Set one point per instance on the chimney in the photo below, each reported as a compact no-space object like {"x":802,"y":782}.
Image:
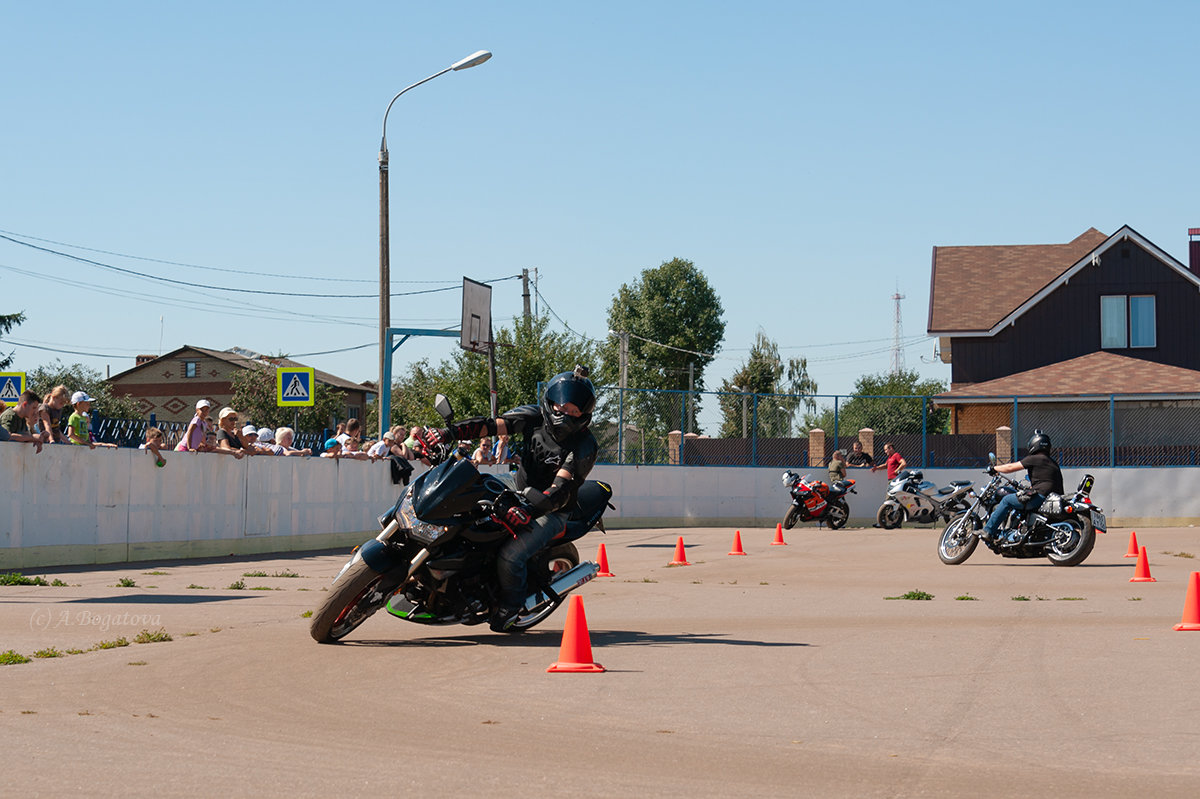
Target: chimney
{"x":1194,"y":250}
{"x":141,"y":359}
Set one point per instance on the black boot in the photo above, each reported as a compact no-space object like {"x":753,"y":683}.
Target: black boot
{"x":503,"y":618}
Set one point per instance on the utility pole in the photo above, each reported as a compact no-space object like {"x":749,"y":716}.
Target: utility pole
{"x":525,"y":291}
{"x":624,"y":379}
{"x":691,"y":395}
{"x":897,"y":334}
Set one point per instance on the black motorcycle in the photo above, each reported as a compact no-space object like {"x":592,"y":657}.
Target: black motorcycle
{"x":817,"y":501}
{"x":434,"y":562}
{"x":1063,"y":528}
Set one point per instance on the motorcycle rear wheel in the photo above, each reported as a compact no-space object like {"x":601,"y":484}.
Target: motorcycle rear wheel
{"x":1071,"y":549}
{"x":838,"y":514}
{"x":351,"y":601}
{"x":958,"y":541}
{"x":561,"y":558}
{"x":889,"y":516}
{"x":791,"y":517}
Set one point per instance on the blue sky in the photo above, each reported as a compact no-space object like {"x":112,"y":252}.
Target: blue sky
{"x":807,"y":157}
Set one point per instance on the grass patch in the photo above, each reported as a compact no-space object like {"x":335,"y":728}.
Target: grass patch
{"x":1071,"y":598}
{"x":119,"y":642}
{"x":285,"y":573}
{"x":914,"y":595}
{"x":49,"y":652}
{"x":126,"y":582}
{"x":237,"y":585}
{"x":264,"y":588}
{"x":74,"y":651}
{"x":966,"y":598}
{"x":254,"y":574}
{"x":198,"y":587}
{"x":155,"y":572}
{"x":152,"y":637}
{"x":306,"y":614}
{"x":12,"y":658}
{"x":136,"y":663}
{"x":57,"y":583}
{"x":16,"y":578}
{"x":1020,"y":598}
{"x":763,"y":582}
{"x":214,"y":629}
{"x":1135,"y":599}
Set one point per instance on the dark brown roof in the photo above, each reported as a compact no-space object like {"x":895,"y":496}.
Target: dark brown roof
{"x":973,"y":288}
{"x":1095,"y":373}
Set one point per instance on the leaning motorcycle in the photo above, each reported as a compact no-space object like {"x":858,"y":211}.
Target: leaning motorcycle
{"x":913,"y":498}
{"x":817,"y":501}
{"x":1063,"y":528}
{"x":434,"y":561}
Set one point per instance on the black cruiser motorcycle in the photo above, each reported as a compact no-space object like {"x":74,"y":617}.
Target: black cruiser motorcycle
{"x":1063,"y":528}
{"x":434,"y":561}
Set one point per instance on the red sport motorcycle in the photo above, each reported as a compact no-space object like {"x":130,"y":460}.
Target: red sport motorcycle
{"x":817,"y":501}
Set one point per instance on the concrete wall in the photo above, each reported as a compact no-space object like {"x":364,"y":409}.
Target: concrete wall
{"x":69,"y":505}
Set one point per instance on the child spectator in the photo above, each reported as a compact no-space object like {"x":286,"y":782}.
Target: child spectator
{"x":16,"y":422}
{"x":228,"y":440}
{"x":383,"y":446}
{"x":197,"y":430}
{"x":50,"y":414}
{"x":482,"y":456}
{"x":79,"y":425}
{"x":284,"y":437}
{"x":333,"y":448}
{"x":154,"y":442}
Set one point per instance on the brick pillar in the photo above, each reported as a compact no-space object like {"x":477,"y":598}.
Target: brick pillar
{"x":1004,"y":450}
{"x":816,"y":448}
{"x":673,"y":439}
{"x":866,"y":437}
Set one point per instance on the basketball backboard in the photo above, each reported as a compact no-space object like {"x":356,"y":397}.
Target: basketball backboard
{"x":476,"y":316}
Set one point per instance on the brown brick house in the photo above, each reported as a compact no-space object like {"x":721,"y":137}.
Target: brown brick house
{"x":169,"y":385}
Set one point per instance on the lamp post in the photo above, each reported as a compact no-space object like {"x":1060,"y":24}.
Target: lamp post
{"x":385,"y":277}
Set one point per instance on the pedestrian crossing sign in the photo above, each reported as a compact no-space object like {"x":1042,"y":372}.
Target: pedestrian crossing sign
{"x":294,"y":386}
{"x":11,"y":386}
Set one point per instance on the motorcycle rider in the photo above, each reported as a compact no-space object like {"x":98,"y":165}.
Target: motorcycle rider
{"x":559,"y":452}
{"x":1045,"y":477}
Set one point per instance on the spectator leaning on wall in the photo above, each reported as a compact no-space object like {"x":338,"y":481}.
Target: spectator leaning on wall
{"x":16,"y":422}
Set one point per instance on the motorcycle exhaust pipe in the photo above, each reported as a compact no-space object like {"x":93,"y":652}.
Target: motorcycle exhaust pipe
{"x":563,"y":584}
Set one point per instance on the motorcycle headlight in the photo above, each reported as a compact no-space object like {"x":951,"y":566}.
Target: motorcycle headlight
{"x":424,"y":532}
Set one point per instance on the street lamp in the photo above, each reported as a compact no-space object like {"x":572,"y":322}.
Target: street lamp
{"x":385,"y":277}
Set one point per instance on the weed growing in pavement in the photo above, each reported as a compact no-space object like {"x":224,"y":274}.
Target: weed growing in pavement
{"x":764,"y":582}
{"x":264,"y":588}
{"x":214,"y":629}
{"x":1071,"y":598}
{"x":156,"y":572}
{"x":914,"y":594}
{"x":1020,"y":598}
{"x":306,"y":614}
{"x":16,"y":578}
{"x":148,"y":637}
{"x":237,"y":585}
{"x":11,"y":658}
{"x":57,"y":583}
{"x":111,"y":644}
{"x":199,"y":587}
{"x":1135,"y":599}
{"x":285,"y":573}
{"x":49,"y":652}
{"x":254,"y":574}
{"x":126,"y":582}
{"x":75,"y":651}
{"x":136,"y":663}
{"x":966,"y":598}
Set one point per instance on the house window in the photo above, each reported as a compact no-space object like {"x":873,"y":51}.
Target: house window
{"x":1127,"y":321}
{"x":191,"y":368}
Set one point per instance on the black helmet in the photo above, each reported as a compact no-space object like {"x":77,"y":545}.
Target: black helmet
{"x":1040,"y":442}
{"x":572,"y":387}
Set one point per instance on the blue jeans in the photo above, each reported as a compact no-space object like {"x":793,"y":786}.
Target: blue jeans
{"x":512,"y":566}
{"x":1009,"y":503}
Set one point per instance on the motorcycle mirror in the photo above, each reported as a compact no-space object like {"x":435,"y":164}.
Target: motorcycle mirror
{"x":992,"y":458}
{"x":442,"y":406}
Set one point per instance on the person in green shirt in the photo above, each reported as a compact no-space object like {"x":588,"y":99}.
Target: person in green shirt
{"x":837,"y":466}
{"x":79,"y":425}
{"x":15,"y":422}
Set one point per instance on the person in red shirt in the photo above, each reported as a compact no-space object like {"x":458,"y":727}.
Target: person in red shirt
{"x":895,"y":462}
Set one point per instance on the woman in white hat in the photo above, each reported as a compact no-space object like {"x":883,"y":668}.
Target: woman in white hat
{"x":198,"y":427}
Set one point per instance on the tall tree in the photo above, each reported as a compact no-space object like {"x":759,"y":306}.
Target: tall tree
{"x":786,"y":386}
{"x":78,"y":377}
{"x":7,"y":323}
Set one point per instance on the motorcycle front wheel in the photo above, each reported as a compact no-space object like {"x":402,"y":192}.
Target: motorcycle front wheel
{"x":838,"y":514}
{"x":351,"y":601}
{"x":958,"y":541}
{"x":563,"y":557}
{"x":791,"y":517}
{"x":1073,"y":540}
{"x":889,"y":516}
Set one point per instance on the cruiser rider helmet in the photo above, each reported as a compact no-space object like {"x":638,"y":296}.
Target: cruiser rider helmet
{"x":575,"y":388}
{"x":1039,"y":442}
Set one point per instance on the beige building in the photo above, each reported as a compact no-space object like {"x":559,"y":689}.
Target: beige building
{"x":169,"y":385}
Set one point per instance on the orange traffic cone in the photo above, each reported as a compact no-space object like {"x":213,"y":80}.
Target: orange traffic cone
{"x":1191,"y":605}
{"x":575,"y":654}
{"x":680,"y":557}
{"x":779,"y":542}
{"x":737,"y":544}
{"x":602,"y":556}
{"x":1133,"y":545}
{"x":1141,"y":574}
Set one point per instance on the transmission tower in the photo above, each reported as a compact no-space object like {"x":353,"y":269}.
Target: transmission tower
{"x":897,"y":335}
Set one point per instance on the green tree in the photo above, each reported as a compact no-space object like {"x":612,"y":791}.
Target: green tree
{"x":254,"y":398}
{"x":786,"y":385}
{"x":7,"y":323}
{"x":527,"y":353}
{"x":78,"y":377}
{"x":672,"y":320}
{"x":889,"y":404}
